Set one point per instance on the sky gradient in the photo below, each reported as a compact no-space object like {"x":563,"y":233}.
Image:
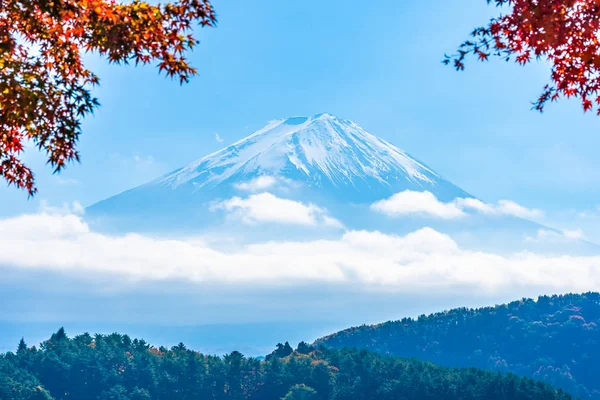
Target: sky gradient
{"x":378,"y":65}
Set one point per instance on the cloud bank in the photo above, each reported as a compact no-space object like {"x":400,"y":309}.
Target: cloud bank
{"x":426,"y":204}
{"x":369,"y":261}
{"x":419,"y":203}
{"x":548,"y":236}
{"x":503,"y":207}
{"x":268,"y":208}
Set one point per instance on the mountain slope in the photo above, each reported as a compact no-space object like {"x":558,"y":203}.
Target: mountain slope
{"x":324,"y":156}
{"x":555,"y":339}
{"x":321,"y":152}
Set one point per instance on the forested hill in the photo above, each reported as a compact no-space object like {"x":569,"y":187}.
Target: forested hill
{"x":114,"y":367}
{"x":555,"y":339}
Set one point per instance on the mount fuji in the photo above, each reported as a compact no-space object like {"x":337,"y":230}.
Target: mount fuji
{"x":330,"y":166}
{"x":324,"y":152}
{"x":320,"y":157}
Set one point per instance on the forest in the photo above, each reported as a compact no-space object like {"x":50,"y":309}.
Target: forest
{"x":554,"y":339}
{"x":115,"y":367}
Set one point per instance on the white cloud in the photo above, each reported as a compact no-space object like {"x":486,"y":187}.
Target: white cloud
{"x":218,"y":138}
{"x":420,"y":203}
{"x":46,"y":226}
{"x":549,"y":236}
{"x":574,"y":233}
{"x":508,"y":207}
{"x":332,"y":222}
{"x":503,"y":207}
{"x":257,"y":184}
{"x":422,"y":260}
{"x":423,"y":241}
{"x":589,"y":214}
{"x":475,"y":205}
{"x":67,"y":208}
{"x":425,"y":203}
{"x":574,"y":222}
{"x":266,"y":207}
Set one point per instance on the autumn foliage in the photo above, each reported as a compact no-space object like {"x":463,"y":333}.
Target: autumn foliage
{"x":563,"y":32}
{"x":44,"y":85}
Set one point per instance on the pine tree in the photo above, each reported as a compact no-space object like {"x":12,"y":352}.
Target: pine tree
{"x":304,"y":348}
{"x":22,"y":347}
{"x":59,"y":336}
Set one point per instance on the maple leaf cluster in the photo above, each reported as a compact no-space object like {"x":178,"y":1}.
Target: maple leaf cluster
{"x":563,"y":32}
{"x":44,"y":86}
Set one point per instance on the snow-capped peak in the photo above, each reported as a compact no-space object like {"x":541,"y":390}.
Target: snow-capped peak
{"x":321,"y":151}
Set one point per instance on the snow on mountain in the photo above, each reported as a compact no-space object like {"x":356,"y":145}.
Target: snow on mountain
{"x":321,"y":148}
{"x":322,"y":160}
{"x":321,"y":157}
{"x":322,"y":152}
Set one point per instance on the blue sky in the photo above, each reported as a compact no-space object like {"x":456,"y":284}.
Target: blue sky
{"x":377,"y":64}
